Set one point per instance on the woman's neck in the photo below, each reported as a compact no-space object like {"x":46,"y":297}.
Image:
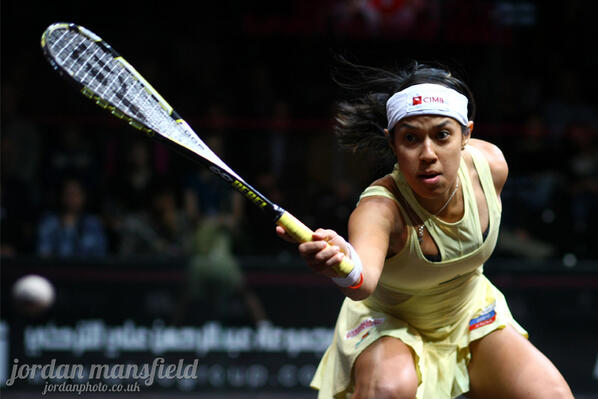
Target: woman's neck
{"x":449,"y":208}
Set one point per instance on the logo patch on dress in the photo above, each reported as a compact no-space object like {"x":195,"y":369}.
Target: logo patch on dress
{"x":364,"y":336}
{"x":366,"y":324}
{"x":487,"y":316}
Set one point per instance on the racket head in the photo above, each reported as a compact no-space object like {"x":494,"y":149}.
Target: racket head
{"x":101,"y":72}
{"x":106,"y":78}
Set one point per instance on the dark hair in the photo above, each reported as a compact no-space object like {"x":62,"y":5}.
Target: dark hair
{"x":360,"y":122}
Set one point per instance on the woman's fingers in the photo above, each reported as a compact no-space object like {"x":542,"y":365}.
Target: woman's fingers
{"x":325,"y":251}
{"x":321,"y":257}
{"x":331,"y":237}
{"x":283,"y":234}
{"x":322,"y":234}
{"x":310,"y":252}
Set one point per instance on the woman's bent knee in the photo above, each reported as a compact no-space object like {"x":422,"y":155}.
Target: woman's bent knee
{"x":388,"y":384}
{"x":396,"y":389}
{"x":385,"y":369}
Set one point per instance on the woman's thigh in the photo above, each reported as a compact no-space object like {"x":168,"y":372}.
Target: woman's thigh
{"x":386,"y":368}
{"x":506,"y":365}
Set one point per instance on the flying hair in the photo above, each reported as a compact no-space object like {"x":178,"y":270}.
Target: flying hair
{"x":361,"y":119}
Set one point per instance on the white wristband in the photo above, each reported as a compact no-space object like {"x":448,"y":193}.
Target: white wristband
{"x":355,"y":275}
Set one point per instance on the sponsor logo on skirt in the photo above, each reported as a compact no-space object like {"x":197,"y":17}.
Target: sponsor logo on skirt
{"x":365,"y":324}
{"x":487,"y":316}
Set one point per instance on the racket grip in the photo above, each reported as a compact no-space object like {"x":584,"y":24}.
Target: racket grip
{"x":300,"y":232}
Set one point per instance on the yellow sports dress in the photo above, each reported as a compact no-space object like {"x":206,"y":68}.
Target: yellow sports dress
{"x":436,"y":308}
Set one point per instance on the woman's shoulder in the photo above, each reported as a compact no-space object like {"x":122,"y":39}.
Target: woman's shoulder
{"x":384,"y":189}
{"x":387,"y":182}
{"x":496,"y":160}
{"x":379,"y":199}
{"x":490,"y":151}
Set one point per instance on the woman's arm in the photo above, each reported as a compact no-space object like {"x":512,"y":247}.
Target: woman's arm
{"x":370,"y":227}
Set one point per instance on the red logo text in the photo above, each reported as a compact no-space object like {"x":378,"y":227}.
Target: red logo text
{"x":427,"y":100}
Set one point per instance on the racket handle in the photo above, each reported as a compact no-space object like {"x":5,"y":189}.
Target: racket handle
{"x":300,"y":232}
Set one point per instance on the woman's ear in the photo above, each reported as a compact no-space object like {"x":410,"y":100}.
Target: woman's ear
{"x":466,"y":134}
{"x":390,"y":141}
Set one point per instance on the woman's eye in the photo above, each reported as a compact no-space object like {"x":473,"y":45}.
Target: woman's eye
{"x":410,"y":138}
{"x":443,"y":134}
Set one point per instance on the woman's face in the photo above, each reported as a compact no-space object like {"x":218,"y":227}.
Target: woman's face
{"x":428,"y":149}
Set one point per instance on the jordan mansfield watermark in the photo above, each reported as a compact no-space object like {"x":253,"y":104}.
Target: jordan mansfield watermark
{"x":65,"y":377}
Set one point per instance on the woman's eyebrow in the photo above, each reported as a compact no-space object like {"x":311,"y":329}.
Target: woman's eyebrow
{"x":442,"y":124}
{"x":409,"y":126}
{"x":406,"y":126}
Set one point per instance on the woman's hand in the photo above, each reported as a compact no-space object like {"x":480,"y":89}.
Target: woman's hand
{"x":326,"y":250}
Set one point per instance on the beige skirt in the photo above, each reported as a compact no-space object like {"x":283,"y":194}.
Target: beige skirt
{"x":441,"y":350}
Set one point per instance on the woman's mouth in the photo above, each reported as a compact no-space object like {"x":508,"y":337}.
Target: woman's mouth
{"x":430,"y":177}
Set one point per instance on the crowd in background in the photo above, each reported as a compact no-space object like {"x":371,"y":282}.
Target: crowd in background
{"x":76,"y":183}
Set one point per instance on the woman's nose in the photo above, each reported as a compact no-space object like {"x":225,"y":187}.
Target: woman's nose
{"x":428,"y":152}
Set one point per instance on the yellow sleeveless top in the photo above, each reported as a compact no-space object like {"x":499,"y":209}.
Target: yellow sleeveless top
{"x":436,"y":308}
{"x":461,"y":244}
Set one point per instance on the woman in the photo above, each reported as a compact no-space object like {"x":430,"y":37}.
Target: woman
{"x":421,"y":320}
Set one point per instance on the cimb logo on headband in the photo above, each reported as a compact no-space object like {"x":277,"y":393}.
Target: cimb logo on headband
{"x":421,"y":100}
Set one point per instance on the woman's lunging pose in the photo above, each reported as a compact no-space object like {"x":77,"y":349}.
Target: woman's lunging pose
{"x":421,"y":320}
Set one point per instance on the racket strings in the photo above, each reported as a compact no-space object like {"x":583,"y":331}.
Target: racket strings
{"x":85,"y":61}
{"x":92,"y":63}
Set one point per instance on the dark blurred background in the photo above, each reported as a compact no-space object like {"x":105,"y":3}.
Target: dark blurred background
{"x":130,"y":232}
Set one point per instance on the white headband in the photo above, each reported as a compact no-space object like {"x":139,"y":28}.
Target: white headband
{"x":426,"y":99}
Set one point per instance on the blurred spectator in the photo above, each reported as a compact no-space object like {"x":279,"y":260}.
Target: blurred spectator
{"x":71,"y":231}
{"x":214,"y":209}
{"x":127,"y":186}
{"x":214,"y":274}
{"x":207,"y":196}
{"x":72,"y":155}
{"x":159,"y":229}
{"x":132,"y":186}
